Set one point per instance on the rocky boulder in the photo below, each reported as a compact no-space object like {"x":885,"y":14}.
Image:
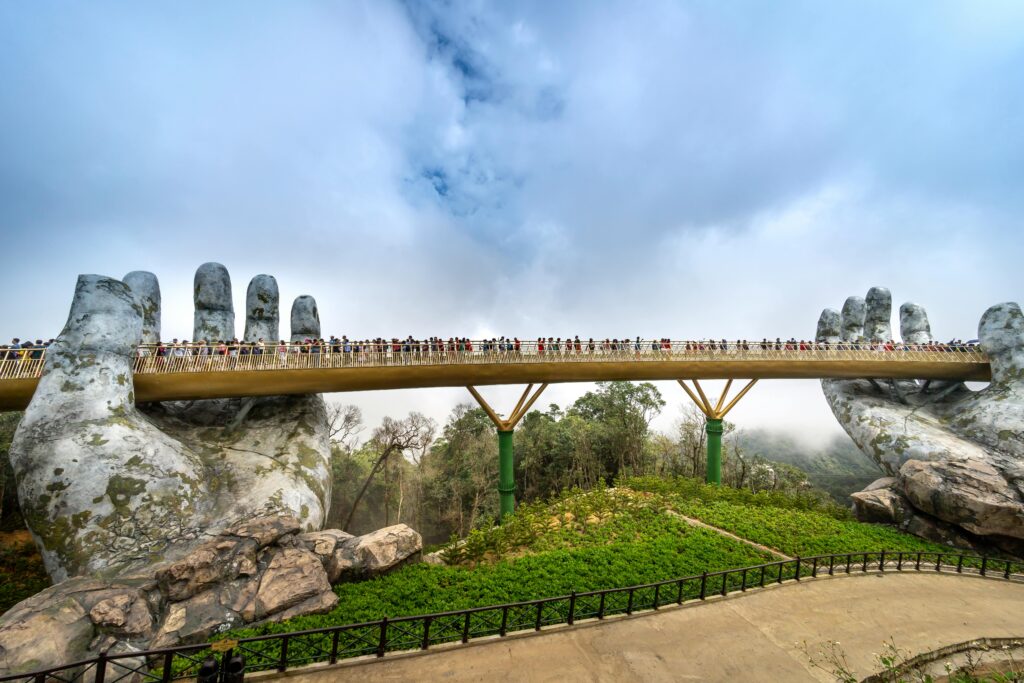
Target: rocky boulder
{"x":375,"y":553}
{"x":256,"y":571}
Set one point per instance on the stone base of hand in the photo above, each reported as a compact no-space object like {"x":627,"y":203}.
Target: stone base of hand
{"x":258,"y":571}
{"x":883,"y":502}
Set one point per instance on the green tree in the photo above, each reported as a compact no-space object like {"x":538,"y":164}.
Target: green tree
{"x":620,"y":415}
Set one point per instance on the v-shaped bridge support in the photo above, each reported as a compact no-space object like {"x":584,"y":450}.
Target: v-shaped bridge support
{"x":506,"y":427}
{"x":713,"y":425}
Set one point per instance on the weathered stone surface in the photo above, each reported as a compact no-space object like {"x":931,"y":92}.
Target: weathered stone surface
{"x":214,"y":309}
{"x":957,"y":455}
{"x":323,"y":544}
{"x":217,"y":561}
{"x":126,"y":614}
{"x":146,"y":290}
{"x":261,"y":316}
{"x":305,"y":319}
{"x":375,"y":553}
{"x":226,"y":582}
{"x":969,"y":493}
{"x":265,"y":530}
{"x":195,"y":620}
{"x":883,"y":505}
{"x":98,"y":482}
{"x":58,"y":631}
{"x":318,"y":604}
{"x":293,"y":575}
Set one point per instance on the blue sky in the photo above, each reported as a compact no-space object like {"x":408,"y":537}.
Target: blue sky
{"x":617,"y":168}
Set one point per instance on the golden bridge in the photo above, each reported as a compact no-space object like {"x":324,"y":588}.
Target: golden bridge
{"x":184,"y":374}
{"x":176,"y":373}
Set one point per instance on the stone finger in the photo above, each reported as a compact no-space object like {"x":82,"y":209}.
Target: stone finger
{"x":305,"y":319}
{"x":146,"y":290}
{"x":878,"y":314}
{"x":914,"y":326}
{"x":1001,"y":332}
{"x":830,"y":326}
{"x":853,"y":319}
{"x":215,"y":312}
{"x":262,"y":319}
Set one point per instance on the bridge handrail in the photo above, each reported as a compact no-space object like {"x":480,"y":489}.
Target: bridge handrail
{"x":281,"y":651}
{"x":242,"y":357}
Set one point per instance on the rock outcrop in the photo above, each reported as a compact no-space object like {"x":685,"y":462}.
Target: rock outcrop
{"x":955,"y":457}
{"x":253,"y":572}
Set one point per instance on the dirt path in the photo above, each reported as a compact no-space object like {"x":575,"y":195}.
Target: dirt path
{"x":696,"y":522}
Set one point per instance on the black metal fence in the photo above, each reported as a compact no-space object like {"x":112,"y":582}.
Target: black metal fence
{"x":227,"y":661}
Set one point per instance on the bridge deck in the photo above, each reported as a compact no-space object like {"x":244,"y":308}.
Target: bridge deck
{"x":192,"y":377}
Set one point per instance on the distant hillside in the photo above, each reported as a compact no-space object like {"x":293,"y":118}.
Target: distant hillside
{"x":838,"y":467}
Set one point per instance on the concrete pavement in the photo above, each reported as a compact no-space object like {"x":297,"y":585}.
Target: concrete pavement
{"x":747,"y":637}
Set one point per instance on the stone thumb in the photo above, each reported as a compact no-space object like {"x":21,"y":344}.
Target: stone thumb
{"x":88,"y":368}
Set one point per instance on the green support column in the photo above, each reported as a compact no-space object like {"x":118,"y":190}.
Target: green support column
{"x":714,"y":430}
{"x":506,"y":473}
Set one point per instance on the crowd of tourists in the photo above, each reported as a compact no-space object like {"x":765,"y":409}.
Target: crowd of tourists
{"x":410,"y":349}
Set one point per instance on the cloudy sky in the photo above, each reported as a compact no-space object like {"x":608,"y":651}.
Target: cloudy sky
{"x":682,"y":169}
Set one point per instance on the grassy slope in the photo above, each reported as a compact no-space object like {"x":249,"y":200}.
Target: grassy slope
{"x":605,"y":539}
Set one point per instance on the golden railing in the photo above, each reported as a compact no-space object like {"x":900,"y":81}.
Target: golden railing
{"x":28,"y":364}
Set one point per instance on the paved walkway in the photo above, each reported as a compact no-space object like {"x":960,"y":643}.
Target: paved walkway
{"x":747,"y":637}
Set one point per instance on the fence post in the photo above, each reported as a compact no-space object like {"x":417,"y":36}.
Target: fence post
{"x":849,"y":561}
{"x":814,"y":569}
{"x":960,"y":564}
{"x":797,"y":567}
{"x":629,"y":603}
{"x":725,"y":583}
{"x":984,"y":565}
{"x":1006,"y":574}
{"x":831,"y":564}
{"x":335,"y":637}
{"x":283,"y":663}
{"x":504,"y":621}
{"x":938,"y":562}
{"x":899,"y":562}
{"x":864,"y":563}
{"x":743,"y":585}
{"x":679,"y":598}
{"x":572,"y":607}
{"x":917,"y":564}
{"x":382,"y":644}
{"x":600,"y":607}
{"x":101,"y":666}
{"x":465,"y":628}
{"x":657,"y":591}
{"x":540,"y":611}
{"x":881,"y":562}
{"x":761,"y":582}
{"x":168,"y":667}
{"x":426,"y":634}
{"x":703,"y":584}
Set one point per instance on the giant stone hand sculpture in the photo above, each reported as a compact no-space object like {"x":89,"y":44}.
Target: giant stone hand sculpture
{"x":955,"y":457}
{"x":108,"y":487}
